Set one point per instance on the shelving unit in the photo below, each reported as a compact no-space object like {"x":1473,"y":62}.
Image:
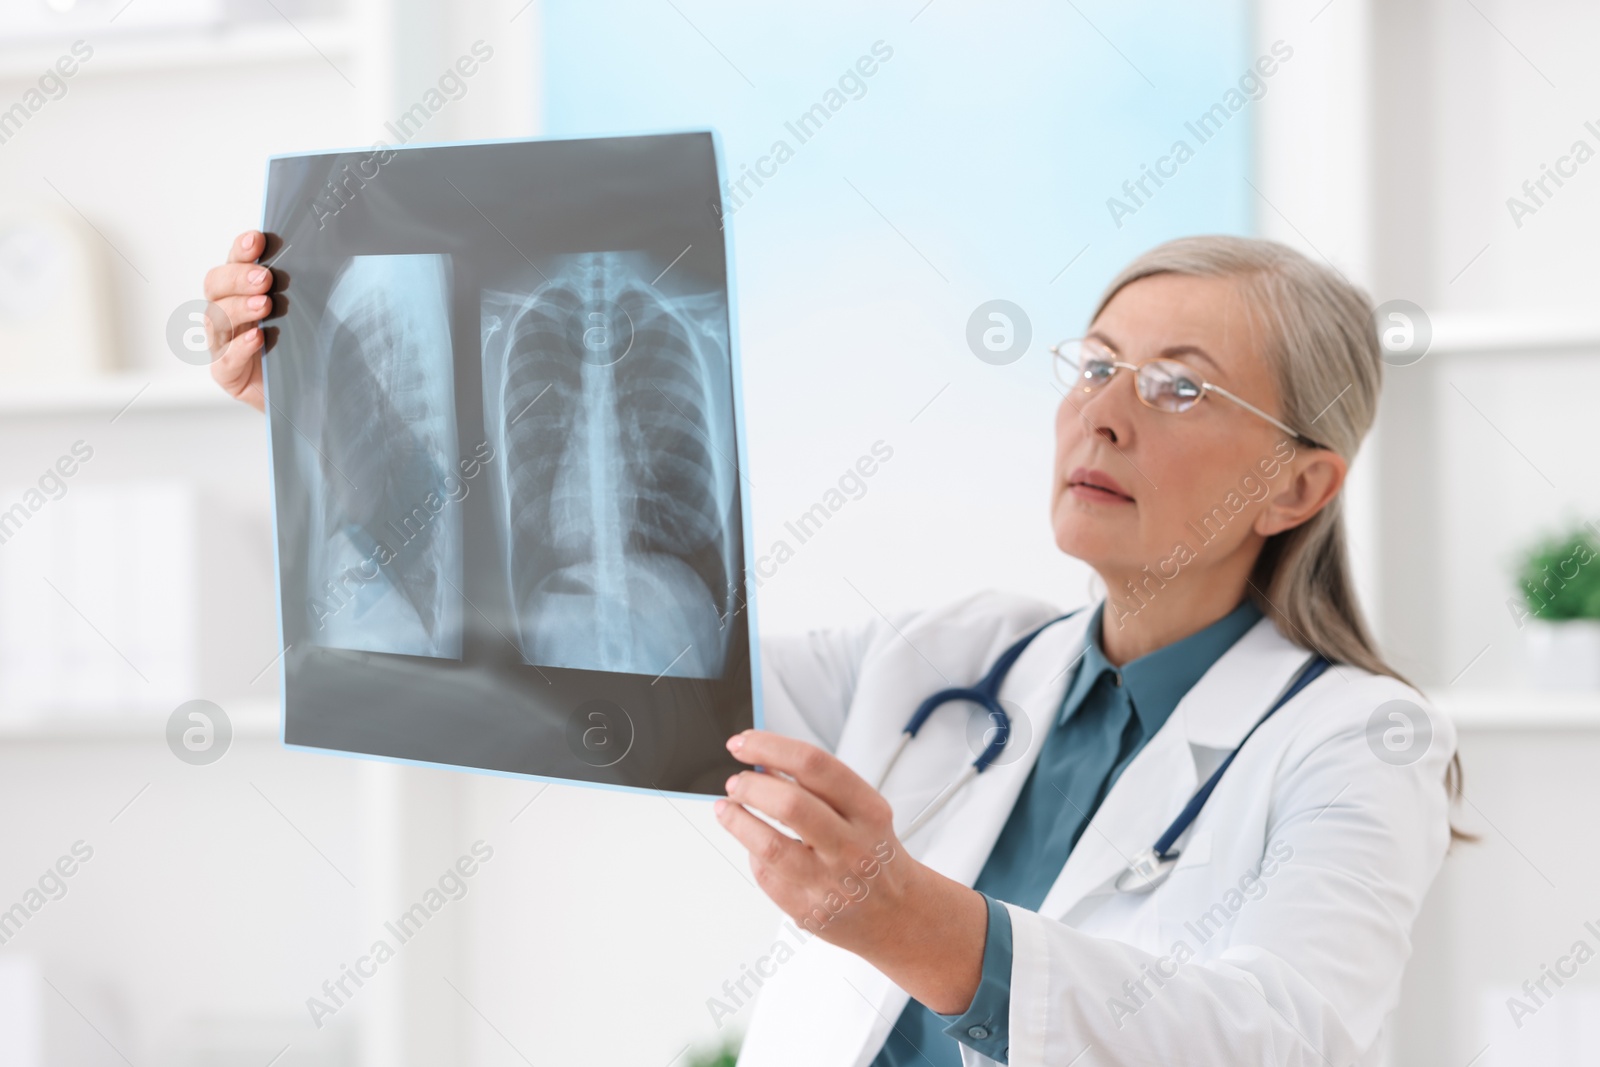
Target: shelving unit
{"x":174,"y":95}
{"x":1467,"y":475}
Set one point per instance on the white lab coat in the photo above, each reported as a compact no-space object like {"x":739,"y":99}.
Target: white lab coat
{"x":1293,"y":899}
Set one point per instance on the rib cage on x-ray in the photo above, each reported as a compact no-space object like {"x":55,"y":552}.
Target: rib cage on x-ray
{"x":385,"y":536}
{"x":612,"y":407}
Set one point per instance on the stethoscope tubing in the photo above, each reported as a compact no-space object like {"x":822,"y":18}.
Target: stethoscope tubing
{"x":986,"y":695}
{"x":1150,"y":867}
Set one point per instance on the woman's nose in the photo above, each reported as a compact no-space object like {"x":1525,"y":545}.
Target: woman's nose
{"x":1106,"y":410}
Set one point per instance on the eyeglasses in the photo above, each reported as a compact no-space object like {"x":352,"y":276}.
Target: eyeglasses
{"x":1085,"y":365}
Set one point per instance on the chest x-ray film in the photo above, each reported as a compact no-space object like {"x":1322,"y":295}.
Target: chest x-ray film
{"x":507,"y":453}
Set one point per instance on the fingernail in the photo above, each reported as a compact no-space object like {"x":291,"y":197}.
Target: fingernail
{"x":733,"y":780}
{"x":736,"y":742}
{"x":257,"y":303}
{"x":720,"y":806}
{"x":244,"y":242}
{"x":257,"y":276}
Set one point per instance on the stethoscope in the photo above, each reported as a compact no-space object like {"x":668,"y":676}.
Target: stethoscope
{"x":1150,"y":867}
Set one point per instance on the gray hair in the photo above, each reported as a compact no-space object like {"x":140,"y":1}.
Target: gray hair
{"x":1322,"y":344}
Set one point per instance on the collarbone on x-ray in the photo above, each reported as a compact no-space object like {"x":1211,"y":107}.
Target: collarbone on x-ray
{"x":610,"y":402}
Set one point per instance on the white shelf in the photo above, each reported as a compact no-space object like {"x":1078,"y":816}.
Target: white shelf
{"x":253,"y":718}
{"x":306,"y":40}
{"x":257,"y":717}
{"x":1519,"y":709}
{"x":112,"y":393}
{"x":1465,"y":333}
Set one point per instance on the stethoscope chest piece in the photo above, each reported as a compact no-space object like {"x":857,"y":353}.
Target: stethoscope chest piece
{"x":1147,"y":871}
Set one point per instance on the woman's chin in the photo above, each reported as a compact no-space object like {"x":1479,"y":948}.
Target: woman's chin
{"x":1090,"y":534}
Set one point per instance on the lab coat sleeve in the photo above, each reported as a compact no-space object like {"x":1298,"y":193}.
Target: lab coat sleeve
{"x":808,"y":679}
{"x":1314,"y":955}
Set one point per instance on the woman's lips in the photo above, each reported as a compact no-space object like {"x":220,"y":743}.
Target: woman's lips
{"x":1088,"y":484}
{"x":1090,"y":492}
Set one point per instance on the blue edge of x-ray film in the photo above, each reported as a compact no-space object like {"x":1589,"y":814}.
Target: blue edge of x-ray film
{"x":757,"y":718}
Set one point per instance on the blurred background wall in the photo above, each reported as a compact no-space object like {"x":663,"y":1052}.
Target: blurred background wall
{"x":973,"y":165}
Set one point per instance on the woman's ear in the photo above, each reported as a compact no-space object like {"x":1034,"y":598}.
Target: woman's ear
{"x":1314,"y":478}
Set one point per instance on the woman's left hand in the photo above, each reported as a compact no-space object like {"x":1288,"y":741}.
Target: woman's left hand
{"x":848,"y":879}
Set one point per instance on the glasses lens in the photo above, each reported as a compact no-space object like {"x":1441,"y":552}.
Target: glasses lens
{"x":1169,"y":385}
{"x":1084,"y":364}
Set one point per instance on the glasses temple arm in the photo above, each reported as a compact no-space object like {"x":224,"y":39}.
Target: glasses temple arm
{"x":1242,"y":402}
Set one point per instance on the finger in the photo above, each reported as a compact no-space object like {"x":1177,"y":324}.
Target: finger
{"x":244,"y":311}
{"x":779,"y":854}
{"x":236,"y":279}
{"x":228,"y":318}
{"x":823,"y":774}
{"x":247,"y":246}
{"x":239,"y":364}
{"x":791,"y":804}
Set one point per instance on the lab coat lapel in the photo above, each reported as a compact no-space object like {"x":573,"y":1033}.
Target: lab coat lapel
{"x":863,"y":1003}
{"x":960,"y":838}
{"x":1144,"y":800}
{"x":1216,"y":713}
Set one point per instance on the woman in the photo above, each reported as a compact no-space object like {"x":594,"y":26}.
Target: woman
{"x":1208,"y":420}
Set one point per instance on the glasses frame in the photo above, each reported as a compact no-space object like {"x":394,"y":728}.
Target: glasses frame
{"x":1206,"y":388}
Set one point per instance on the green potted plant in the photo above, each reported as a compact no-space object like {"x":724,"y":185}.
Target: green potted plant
{"x":1559,"y":610}
{"x":724,"y":1055}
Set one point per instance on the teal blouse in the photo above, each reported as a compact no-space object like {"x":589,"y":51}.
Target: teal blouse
{"x":1106,"y":717}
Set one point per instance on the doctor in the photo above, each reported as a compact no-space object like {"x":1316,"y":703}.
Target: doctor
{"x":1208,"y":419}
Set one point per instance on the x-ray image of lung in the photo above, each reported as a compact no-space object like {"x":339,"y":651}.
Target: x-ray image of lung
{"x":385,"y":558}
{"x":611,"y":403}
{"x":507,"y":443}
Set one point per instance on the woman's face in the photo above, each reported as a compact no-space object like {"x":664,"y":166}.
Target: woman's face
{"x":1196,"y":487}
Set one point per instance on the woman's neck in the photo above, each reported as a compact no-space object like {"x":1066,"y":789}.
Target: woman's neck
{"x":1133,"y":626}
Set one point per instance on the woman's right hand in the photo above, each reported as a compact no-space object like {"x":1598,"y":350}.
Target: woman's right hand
{"x":241,"y":289}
